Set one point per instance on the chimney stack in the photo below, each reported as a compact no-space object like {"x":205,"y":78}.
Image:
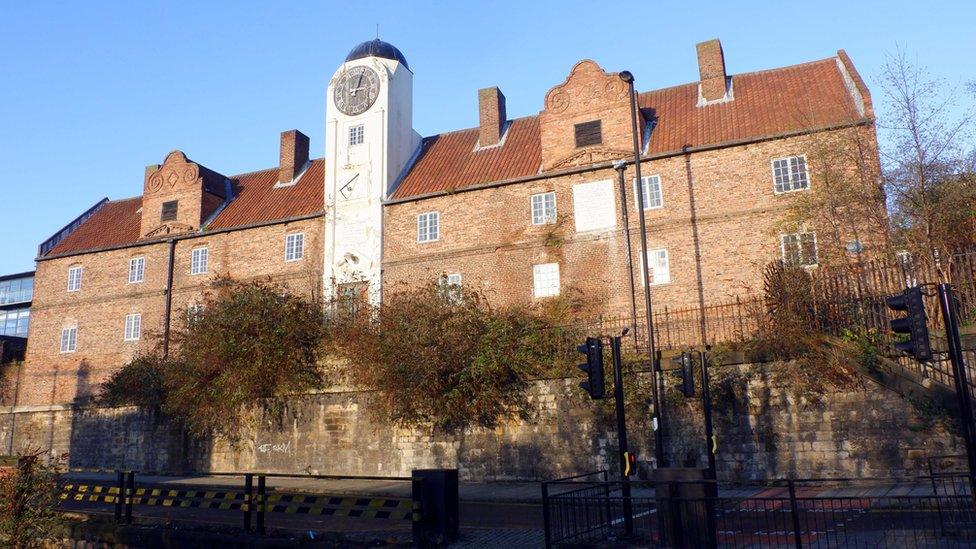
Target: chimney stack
{"x":711,"y":68}
{"x":294,"y":155}
{"x":491,"y":111}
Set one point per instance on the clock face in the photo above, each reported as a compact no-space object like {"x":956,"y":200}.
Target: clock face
{"x":356,"y":89}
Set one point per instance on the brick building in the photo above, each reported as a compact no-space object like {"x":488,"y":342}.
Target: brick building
{"x":524,"y":209}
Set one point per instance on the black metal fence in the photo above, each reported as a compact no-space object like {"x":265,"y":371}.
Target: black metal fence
{"x":932,"y":511}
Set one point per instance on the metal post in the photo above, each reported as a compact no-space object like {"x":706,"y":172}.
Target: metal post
{"x":261,"y":502}
{"x":706,"y":396}
{"x":130,"y":495}
{"x":121,"y":497}
{"x":950,"y":319}
{"x":618,"y":397}
{"x":545,"y":514}
{"x":620,"y":166}
{"x":606,"y":501}
{"x":246,"y":504}
{"x":657,"y":419}
{"x":794,"y":512}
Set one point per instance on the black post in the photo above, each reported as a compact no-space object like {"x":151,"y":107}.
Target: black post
{"x":261,"y":502}
{"x":794,"y":512}
{"x":618,"y":397}
{"x":246,"y":503}
{"x":950,"y":319}
{"x":657,"y":420}
{"x":545,"y":514}
{"x":710,"y":444}
{"x":121,"y":497}
{"x":130,"y":495}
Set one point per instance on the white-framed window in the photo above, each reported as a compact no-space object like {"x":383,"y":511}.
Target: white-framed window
{"x":137,"y":269}
{"x":69,"y":338}
{"x":545,"y":280}
{"x":450,"y":286}
{"x":133,"y":327}
{"x":294,"y":246}
{"x":199,"y":259}
{"x":543,"y":208}
{"x":428,"y":227}
{"x":193,"y":311}
{"x":790,"y":174}
{"x":658,"y":267}
{"x":799,"y":249}
{"x":651,"y":192}
{"x":74,"y":278}
{"x":356,"y":134}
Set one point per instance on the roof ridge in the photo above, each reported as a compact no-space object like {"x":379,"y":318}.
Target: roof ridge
{"x":252,"y":172}
{"x":760,"y":71}
{"x":474,"y":128}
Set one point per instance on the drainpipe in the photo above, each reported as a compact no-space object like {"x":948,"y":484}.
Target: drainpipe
{"x":169,"y":296}
{"x":620,"y":166}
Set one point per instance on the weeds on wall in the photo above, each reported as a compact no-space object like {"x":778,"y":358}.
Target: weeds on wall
{"x":29,"y":497}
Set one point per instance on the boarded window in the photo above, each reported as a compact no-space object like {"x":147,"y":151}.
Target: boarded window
{"x":588,"y":133}
{"x":169,"y":211}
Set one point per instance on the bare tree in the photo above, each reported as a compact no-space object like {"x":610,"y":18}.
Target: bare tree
{"x":930,"y":184}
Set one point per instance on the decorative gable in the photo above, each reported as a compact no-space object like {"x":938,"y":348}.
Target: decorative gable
{"x":179,"y":195}
{"x":586,"y":119}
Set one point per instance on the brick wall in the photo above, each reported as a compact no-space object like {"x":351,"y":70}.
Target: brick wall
{"x":99,"y":308}
{"x":487,"y":235}
{"x":767,"y":434}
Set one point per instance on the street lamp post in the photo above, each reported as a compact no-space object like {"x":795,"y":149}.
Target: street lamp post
{"x":657,"y":418}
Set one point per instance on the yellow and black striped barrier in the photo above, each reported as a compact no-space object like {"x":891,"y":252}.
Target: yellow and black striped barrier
{"x":380,"y":508}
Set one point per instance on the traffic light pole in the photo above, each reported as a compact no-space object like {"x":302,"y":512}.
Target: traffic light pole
{"x":951,"y":317}
{"x":710,"y":445}
{"x":618,"y":397}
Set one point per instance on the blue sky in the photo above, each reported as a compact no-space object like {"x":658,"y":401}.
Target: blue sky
{"x":92,"y":92}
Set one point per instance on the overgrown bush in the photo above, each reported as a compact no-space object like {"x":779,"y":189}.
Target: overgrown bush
{"x":244,"y":342}
{"x":29,"y":496}
{"x":448,"y":359}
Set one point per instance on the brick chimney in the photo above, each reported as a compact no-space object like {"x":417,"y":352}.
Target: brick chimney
{"x":491,"y":112}
{"x":294,"y":155}
{"x":711,"y":68}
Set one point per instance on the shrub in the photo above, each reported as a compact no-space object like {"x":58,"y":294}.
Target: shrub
{"x":449,"y":359}
{"x":29,"y":496}
{"x":140,"y":382}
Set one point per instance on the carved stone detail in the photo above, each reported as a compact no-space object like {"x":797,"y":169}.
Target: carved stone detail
{"x":176,"y":170}
{"x":169,"y":228}
{"x":590,"y":156}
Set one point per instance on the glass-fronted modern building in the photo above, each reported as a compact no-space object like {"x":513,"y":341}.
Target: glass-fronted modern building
{"x":16,"y":292}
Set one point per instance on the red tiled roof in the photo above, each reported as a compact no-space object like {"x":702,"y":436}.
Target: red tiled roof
{"x":117,"y":222}
{"x":765,"y":103}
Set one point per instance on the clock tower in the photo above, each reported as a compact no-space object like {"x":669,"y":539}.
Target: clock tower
{"x":369,"y":141}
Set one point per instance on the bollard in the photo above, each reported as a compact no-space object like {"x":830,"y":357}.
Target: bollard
{"x":246,"y":503}
{"x":121,"y":496}
{"x":130,"y":495}
{"x":261,"y":503}
{"x":435,"y":492}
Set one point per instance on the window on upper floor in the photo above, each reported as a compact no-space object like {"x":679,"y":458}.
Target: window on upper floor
{"x":294,"y":246}
{"x":199,"y":259}
{"x":356,"y":134}
{"x":16,"y":290}
{"x":545,"y":280}
{"x":790,"y":174}
{"x":658,"y":267}
{"x":428,"y":227}
{"x":588,"y":133}
{"x":799,"y":249}
{"x":137,"y":269}
{"x":543,"y":208}
{"x":169,"y":210}
{"x":14,"y":322}
{"x":74,"y":278}
{"x":651,"y":192}
{"x":133,"y":327}
{"x":69,"y":339}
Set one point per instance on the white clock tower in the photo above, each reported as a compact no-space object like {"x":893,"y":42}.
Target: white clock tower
{"x":369,"y":140}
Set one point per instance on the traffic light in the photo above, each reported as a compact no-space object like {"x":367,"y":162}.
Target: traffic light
{"x":593,"y":349}
{"x":913,"y":325}
{"x":630,"y":464}
{"x":686,"y":369}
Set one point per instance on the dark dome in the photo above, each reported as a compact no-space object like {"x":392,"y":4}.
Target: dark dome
{"x":377,"y":48}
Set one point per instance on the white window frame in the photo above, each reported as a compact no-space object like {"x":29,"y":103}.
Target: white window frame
{"x":799,"y":245}
{"x":199,"y":260}
{"x":644,"y":262}
{"x":294,"y":247}
{"x":69,"y":338}
{"x":193,"y":310}
{"x":544,"y":217}
{"x":359,"y":131}
{"x":424,"y":232}
{"x":75,"y":275}
{"x":789,"y":172}
{"x":646,"y":197}
{"x":450,"y":285}
{"x":137,"y":269}
{"x":543,"y":274}
{"x":133,"y":327}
